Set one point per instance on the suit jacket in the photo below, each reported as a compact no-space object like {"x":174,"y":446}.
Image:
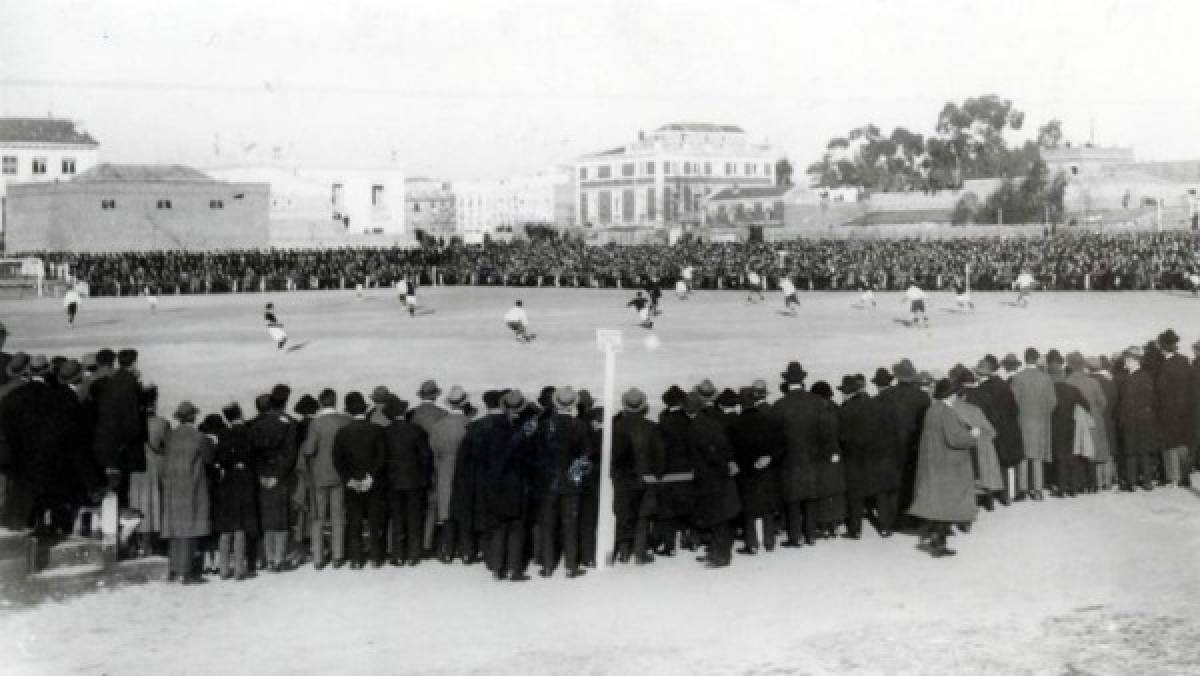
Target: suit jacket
{"x":425,"y":414}
{"x":318,"y":448}
{"x":359,"y":449}
{"x":1034,"y":392}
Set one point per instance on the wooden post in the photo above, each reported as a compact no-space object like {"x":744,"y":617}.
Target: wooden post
{"x":609,"y":342}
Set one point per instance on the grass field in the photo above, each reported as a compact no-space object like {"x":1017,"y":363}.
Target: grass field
{"x":1103,"y":584}
{"x":214,"y":348}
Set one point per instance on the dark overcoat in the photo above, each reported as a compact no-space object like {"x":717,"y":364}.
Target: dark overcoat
{"x":409,"y":459}
{"x":864,"y":435}
{"x":716,"y":493}
{"x":187,"y":510}
{"x":1136,"y":416}
{"x":1062,"y":420}
{"x":994,"y":397}
{"x":120,"y":424}
{"x":905,"y":404}
{"x":236,"y":499}
{"x":808,"y":430}
{"x":273,"y":440}
{"x":562,"y":441}
{"x":1171,"y":388}
{"x":754,"y":435}
{"x":675,"y":499}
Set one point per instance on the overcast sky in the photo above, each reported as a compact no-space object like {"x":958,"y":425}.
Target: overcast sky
{"x":485,"y":89}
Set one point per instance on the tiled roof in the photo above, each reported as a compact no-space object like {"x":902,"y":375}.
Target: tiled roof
{"x":750,"y":192}
{"x":701,"y":126}
{"x":141,"y":172}
{"x":42,"y":130}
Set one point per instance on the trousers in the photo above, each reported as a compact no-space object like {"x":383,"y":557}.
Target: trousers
{"x":329,"y":506}
{"x":802,"y":520}
{"x":407,"y":510}
{"x":1030,"y":475}
{"x":235,"y":541}
{"x":886,"y":508}
{"x":506,"y":547}
{"x":179,"y":555}
{"x":560,"y":529}
{"x":371,"y":507}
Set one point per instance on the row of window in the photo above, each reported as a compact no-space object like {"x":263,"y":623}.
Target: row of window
{"x":629,"y":169}
{"x":37,"y":166}
{"x":161,"y":204}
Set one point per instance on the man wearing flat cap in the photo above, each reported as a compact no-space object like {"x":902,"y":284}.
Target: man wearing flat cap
{"x":808,"y":433}
{"x":1033,"y":390}
{"x":904,"y":404}
{"x":562,"y":447}
{"x":120,"y":425}
{"x":1171,"y":387}
{"x":638,"y":457}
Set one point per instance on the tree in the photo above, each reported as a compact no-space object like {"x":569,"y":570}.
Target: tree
{"x":973,"y":133}
{"x":1050,"y":134}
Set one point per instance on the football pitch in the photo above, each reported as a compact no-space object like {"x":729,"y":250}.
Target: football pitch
{"x":212,"y":349}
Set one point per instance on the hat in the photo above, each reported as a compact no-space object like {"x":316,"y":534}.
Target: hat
{"x":70,"y":373}
{"x":106,"y":357}
{"x":944,"y":388}
{"x":760,"y":387}
{"x":1075,"y":360}
{"x":1054,"y":357}
{"x":1031,"y":355}
{"x":882,"y":377}
{"x":1132,"y":351}
{"x":925,"y":378}
{"x":794,"y":373}
{"x":39,"y":365}
{"x":380,"y":394}
{"x":985,"y":368}
{"x":633,"y":401}
{"x":18,"y":365}
{"x":905,"y":371}
{"x":850,"y":384}
{"x":822,"y":389}
{"x":233,"y":411}
{"x":262,"y":403}
{"x":456,"y":397}
{"x":270,"y":305}
{"x":1168,"y":338}
{"x":748,"y":397}
{"x":514,"y":401}
{"x":212,"y":424}
{"x":127,"y":356}
{"x":394,"y":407}
{"x":355,"y":404}
{"x":1011,"y":362}
{"x":1196,"y":345}
{"x":1093,"y":363}
{"x":694,"y":403}
{"x":280,"y":394}
{"x":565,"y":397}
{"x":307,"y":405}
{"x":88,"y":361}
{"x":706,"y":390}
{"x":961,"y":375}
{"x":674,"y":396}
{"x":429,"y":390}
{"x":586,"y":402}
{"x":186,"y":411}
{"x":727,"y":398}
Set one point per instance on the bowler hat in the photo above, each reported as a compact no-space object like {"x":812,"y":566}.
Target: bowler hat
{"x":212,"y":424}
{"x":1011,"y":362}
{"x":822,"y":389}
{"x":429,"y":390}
{"x":70,"y":373}
{"x":634,"y":400}
{"x":706,"y":390}
{"x":565,"y":397}
{"x":18,"y":365}
{"x":456,"y":397}
{"x":106,"y":357}
{"x":514,"y":400}
{"x":394,"y":407}
{"x":380,"y":394}
{"x":1168,"y":339}
{"x":280,"y":394}
{"x":694,"y":403}
{"x":850,"y":384}
{"x":233,"y":411}
{"x":1075,"y":360}
{"x":355,"y":404}
{"x":1133,"y":351}
{"x":882,"y":377}
{"x":984,"y":368}
{"x":127,"y":356}
{"x":794,"y":374}
{"x":727,"y":398}
{"x":674,"y":396}
{"x":905,"y":372}
{"x":186,"y":411}
{"x":307,"y":405}
{"x":944,"y":388}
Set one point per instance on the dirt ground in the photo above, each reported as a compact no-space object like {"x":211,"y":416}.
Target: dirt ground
{"x":1103,"y":584}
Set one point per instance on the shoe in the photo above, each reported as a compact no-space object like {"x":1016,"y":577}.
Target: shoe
{"x":851,"y":536}
{"x":703,"y":558}
{"x":356,"y":565}
{"x":194,"y":579}
{"x":545,"y":572}
{"x":748,"y":551}
{"x":623,"y":557}
{"x":576,"y":572}
{"x":643,"y":559}
{"x":809,"y":541}
{"x":172,"y":577}
{"x":885,"y":532}
{"x":377,"y":563}
{"x":274,"y":568}
{"x":989,"y":502}
{"x":414,"y":562}
{"x":500,"y":575}
{"x":589,"y":563}
{"x":227,"y":575}
{"x":791,"y":544}
{"x":338,"y":563}
{"x":245,"y":576}
{"x":942,"y":551}
{"x":665,"y":551}
{"x":518,"y":577}
{"x":964,"y":527}
{"x":445,"y":558}
{"x":1039,"y":496}
{"x":396,"y":562}
{"x":717,"y":564}
{"x":320,"y":565}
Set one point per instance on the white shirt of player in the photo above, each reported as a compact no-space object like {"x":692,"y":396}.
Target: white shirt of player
{"x":786,"y":286}
{"x":687,"y":273}
{"x":402,"y":287}
{"x":1024,"y":280}
{"x":516,"y":314}
{"x":681,"y":287}
{"x":753,"y":278}
{"x":914,"y":292}
{"x":71,"y":296}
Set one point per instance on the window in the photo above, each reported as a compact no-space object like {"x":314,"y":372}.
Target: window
{"x":649,"y":168}
{"x":604,"y":206}
{"x":583,"y":173}
{"x":68,"y":165}
{"x":687,"y":168}
{"x":108,"y":204}
{"x":767,"y":169}
{"x":628,"y":202}
{"x":216,"y":204}
{"x":651,"y":210}
{"x":627,"y":169}
{"x":164,"y":204}
{"x":667,"y":168}
{"x":39,"y":165}
{"x":376,"y":195}
{"x":604,"y":171}
{"x":9,"y":165}
{"x":708,"y":168}
{"x":750,"y":167}
{"x":583,"y":209}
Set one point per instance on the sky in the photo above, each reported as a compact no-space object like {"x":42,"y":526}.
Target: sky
{"x":488,"y":89}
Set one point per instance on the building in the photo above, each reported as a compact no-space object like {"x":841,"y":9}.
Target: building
{"x":339,"y":206}
{"x":664,"y":178}
{"x":123,"y":207}
{"x":430,"y":207}
{"x":501,"y":208}
{"x":755,"y":210}
{"x":40,"y":150}
{"x":1084,"y":160}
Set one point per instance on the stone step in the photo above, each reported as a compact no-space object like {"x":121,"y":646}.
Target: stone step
{"x":70,"y":552}
{"x":65,"y":581}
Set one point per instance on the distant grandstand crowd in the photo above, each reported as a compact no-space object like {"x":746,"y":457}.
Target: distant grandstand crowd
{"x":1061,"y":262}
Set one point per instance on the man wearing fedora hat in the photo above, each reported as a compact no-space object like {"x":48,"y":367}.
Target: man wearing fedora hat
{"x":638,"y":456}
{"x":445,"y":441}
{"x":808,"y":433}
{"x":186,"y":502}
{"x":120,"y":425}
{"x":673,"y":488}
{"x":864,"y":435}
{"x":427,"y":412}
{"x":994,"y":397}
{"x":944,"y":488}
{"x":1034,"y":392}
{"x":757,"y":450}
{"x":505,"y":467}
{"x":1172,"y":389}
{"x":380,"y":396}
{"x":360,"y":455}
{"x":905,"y":404}
{"x":717,"y":501}
{"x":409,"y":466}
{"x":562,"y":450}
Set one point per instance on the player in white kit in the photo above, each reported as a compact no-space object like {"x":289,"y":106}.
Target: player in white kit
{"x":916,"y":304}
{"x":274,"y":328}
{"x":789,"y":294}
{"x":406,"y":293}
{"x":71,"y":301}
{"x":518,"y":321}
{"x":152,"y":298}
{"x":681,"y":290}
{"x":754,"y":286}
{"x":1024,"y":286}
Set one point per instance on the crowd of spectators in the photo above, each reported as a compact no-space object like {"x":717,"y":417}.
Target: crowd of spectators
{"x":1062,"y":261}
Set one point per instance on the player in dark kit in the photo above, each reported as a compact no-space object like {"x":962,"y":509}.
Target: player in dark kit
{"x":642,"y":307}
{"x":654,"y":292}
{"x":274,"y":328}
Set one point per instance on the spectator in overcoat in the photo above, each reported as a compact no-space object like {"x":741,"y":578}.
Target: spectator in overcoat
{"x":757,"y":451}
{"x":360,"y":456}
{"x":944,"y":493}
{"x":186,"y":501}
{"x":329,"y":507}
{"x":716,"y":490}
{"x":1138,"y":421}
{"x":120,"y":425}
{"x":638,"y":457}
{"x":235,"y":515}
{"x":445,"y":441}
{"x":808,"y":433}
{"x":1034,"y":393}
{"x":563,"y":448}
{"x":273,"y":438}
{"x":505,"y":456}
{"x":674,"y":486}
{"x":409,"y":466}
{"x":1171,"y":390}
{"x":993,"y":395}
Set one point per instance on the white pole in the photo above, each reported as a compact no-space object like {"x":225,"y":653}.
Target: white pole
{"x":606,"y":526}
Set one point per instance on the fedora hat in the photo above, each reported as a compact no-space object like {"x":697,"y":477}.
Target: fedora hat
{"x":1168,"y":338}
{"x":850,"y":384}
{"x":565,"y":397}
{"x":760,"y":387}
{"x":355,"y":403}
{"x":633,"y":401}
{"x":127,"y":356}
{"x":514,"y":401}
{"x":674,"y":396}
{"x":944,"y":388}
{"x":794,"y":374}
{"x":70,"y":373}
{"x":456,"y":397}
{"x":694,"y":403}
{"x":380,"y":394}
{"x":984,"y":368}
{"x":882,"y":377}
{"x":39,"y":365}
{"x":186,"y":411}
{"x":1011,"y":362}
{"x":18,"y":365}
{"x":905,"y":372}
{"x":429,"y":390}
{"x":706,"y":390}
{"x":728,"y":398}
{"x":748,"y":397}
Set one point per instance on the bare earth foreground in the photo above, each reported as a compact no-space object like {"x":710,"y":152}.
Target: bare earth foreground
{"x":1106,"y":584}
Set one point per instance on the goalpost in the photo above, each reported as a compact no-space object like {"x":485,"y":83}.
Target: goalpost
{"x":23,"y":273}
